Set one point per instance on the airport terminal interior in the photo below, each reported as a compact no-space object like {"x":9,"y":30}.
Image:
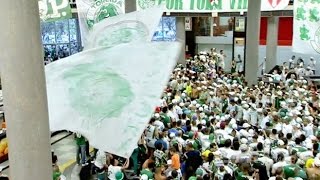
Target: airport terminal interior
{"x":160,"y":89}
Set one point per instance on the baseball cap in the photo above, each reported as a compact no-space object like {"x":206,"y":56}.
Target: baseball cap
{"x":119,"y":175}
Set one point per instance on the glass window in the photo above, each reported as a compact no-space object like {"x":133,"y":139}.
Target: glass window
{"x":60,"y":38}
{"x":203,"y":26}
{"x":62,"y":31}
{"x":169,"y":28}
{"x":166,"y":30}
{"x":240,"y":24}
{"x":48,"y":33}
{"x":73,"y":30}
{"x":158,"y":34}
{"x":221,"y":26}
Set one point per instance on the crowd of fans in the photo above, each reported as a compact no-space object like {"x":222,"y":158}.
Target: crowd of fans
{"x":212,"y":125}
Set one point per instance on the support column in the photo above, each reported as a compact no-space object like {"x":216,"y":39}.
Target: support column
{"x":130,"y":6}
{"x":252,"y":41}
{"x":181,"y":36}
{"x":272,"y":43}
{"x":24,"y":91}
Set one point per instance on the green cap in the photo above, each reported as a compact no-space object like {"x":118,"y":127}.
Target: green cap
{"x":192,"y":178}
{"x":191,"y":134}
{"x":199,"y":172}
{"x":119,"y":175}
{"x":289,"y":171}
{"x":211,"y":137}
{"x":222,"y":141}
{"x":282,"y":114}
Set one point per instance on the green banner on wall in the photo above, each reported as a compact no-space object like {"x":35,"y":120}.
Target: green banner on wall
{"x":53,"y":10}
{"x":207,"y":6}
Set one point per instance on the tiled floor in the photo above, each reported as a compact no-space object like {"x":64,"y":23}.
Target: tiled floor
{"x":66,"y":151}
{"x":63,"y":145}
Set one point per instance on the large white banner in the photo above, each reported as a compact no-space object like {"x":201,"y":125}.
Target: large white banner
{"x":91,"y":12}
{"x":135,"y":26}
{"x":306,"y":35}
{"x":207,"y":6}
{"x":109,"y":94}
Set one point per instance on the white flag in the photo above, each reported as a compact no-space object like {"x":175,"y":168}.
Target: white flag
{"x":125,"y":28}
{"x":91,"y":12}
{"x":306,"y":35}
{"x":109,"y":94}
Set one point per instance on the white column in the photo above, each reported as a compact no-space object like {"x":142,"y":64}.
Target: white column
{"x":252,"y":41}
{"x":130,"y":6}
{"x":272,"y":43}
{"x":181,"y":36}
{"x":24,"y":91}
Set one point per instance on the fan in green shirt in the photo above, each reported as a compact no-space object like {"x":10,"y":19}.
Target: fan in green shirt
{"x":278,"y":101}
{"x":56,"y":176}
{"x":80,"y":140}
{"x":292,"y":171}
{"x":165,"y":119}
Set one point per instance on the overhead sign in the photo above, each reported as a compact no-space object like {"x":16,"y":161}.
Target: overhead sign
{"x":205,"y":6}
{"x":53,"y":10}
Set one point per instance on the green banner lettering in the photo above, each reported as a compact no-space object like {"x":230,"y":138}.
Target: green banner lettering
{"x":239,"y":4}
{"x":179,"y":5}
{"x":200,"y":4}
{"x":208,"y":6}
{"x":191,"y":4}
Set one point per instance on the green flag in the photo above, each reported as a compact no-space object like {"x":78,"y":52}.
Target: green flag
{"x":53,"y":10}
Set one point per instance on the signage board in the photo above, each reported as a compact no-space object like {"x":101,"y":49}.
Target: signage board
{"x":54,"y":10}
{"x":188,"y":23}
{"x":206,"y":6}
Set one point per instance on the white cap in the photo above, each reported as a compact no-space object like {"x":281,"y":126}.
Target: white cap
{"x":246,"y":106}
{"x":144,"y":177}
{"x":316,"y":162}
{"x":234,"y":126}
{"x":156,"y":115}
{"x":172,"y":135}
{"x":280,"y":143}
{"x":244,"y":141}
{"x":246,"y":125}
{"x":251,"y":132}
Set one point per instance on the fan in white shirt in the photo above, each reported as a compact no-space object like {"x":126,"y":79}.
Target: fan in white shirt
{"x":267,"y":161}
{"x":279,"y":150}
{"x":280,"y":164}
{"x":101,"y":160}
{"x":246,"y":112}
